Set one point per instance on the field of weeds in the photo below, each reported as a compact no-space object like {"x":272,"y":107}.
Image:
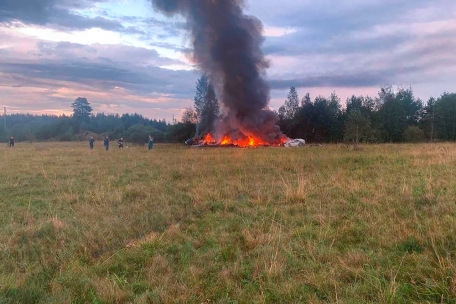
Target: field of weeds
{"x":318,"y":224}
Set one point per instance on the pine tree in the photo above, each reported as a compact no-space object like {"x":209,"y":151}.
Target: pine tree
{"x":291,"y":106}
{"x":306,"y":100}
{"x":189,"y":116}
{"x":206,"y":105}
{"x":81,"y":109}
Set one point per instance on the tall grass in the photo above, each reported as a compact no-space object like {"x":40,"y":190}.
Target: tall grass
{"x":224,"y":225}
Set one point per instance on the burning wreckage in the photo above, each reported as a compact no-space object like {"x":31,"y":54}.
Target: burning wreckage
{"x":249,"y":142}
{"x":227,"y":48}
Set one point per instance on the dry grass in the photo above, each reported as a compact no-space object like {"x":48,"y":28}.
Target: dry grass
{"x":188,"y":225}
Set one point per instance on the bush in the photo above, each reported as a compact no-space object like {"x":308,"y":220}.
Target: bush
{"x":180,"y":132}
{"x":139,"y":134}
{"x":414,"y":134}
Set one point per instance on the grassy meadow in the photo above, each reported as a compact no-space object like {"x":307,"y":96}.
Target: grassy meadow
{"x":318,"y":224}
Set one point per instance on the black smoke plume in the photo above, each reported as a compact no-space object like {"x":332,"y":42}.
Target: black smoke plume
{"x":227,"y":48}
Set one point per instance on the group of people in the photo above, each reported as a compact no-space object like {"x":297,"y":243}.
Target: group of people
{"x":106,"y":141}
{"x":120,"y":142}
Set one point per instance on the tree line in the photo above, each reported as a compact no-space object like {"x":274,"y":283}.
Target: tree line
{"x":134,"y":128}
{"x":392,"y":116}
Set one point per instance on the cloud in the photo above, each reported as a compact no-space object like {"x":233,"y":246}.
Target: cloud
{"x":56,"y":13}
{"x":366,"y":44}
{"x":102,"y":76}
{"x":157,"y":27}
{"x":330,"y":17}
{"x":326,"y":45}
{"x":38,"y":74}
{"x":134,"y":66}
{"x":74,"y":15}
{"x":55,"y":97}
{"x":116,"y":54}
{"x":353,"y":80}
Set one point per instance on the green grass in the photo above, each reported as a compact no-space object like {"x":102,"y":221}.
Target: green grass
{"x":224,"y":225}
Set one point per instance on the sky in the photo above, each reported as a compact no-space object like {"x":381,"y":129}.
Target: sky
{"x":125,"y":58}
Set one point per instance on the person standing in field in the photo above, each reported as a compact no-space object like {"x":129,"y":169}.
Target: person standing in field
{"x":11,"y":142}
{"x":91,"y":141}
{"x":106,"y":143}
{"x":150,"y":144}
{"x":120,"y":143}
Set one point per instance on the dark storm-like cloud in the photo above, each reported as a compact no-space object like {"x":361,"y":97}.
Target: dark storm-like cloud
{"x":63,"y":15}
{"x":57,"y":13}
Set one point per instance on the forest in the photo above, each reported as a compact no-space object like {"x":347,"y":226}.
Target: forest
{"x":392,"y":116}
{"x":395,"y":115}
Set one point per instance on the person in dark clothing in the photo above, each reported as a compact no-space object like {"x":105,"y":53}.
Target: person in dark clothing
{"x":120,"y":143}
{"x":150,"y":144}
{"x":91,"y":141}
{"x":11,"y":142}
{"x":106,"y":143}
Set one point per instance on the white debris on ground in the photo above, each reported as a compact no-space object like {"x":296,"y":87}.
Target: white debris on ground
{"x":297,"y":142}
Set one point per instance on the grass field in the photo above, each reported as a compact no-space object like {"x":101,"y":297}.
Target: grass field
{"x":321,"y":224}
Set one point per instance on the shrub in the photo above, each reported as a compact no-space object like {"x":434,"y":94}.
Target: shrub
{"x":413,"y":134}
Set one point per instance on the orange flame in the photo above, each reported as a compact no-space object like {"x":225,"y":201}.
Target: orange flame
{"x":208,"y":139}
{"x":225,"y":141}
{"x":249,"y":141}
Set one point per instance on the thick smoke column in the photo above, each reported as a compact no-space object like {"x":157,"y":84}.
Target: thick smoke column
{"x":226,"y":47}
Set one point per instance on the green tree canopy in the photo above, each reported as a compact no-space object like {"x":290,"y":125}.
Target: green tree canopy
{"x":291,"y":105}
{"x":81,"y":109}
{"x":445,"y":116}
{"x":189,"y":116}
{"x":398,"y":110}
{"x":357,"y":128}
{"x":206,"y":105}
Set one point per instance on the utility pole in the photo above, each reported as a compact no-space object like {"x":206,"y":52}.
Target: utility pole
{"x":4,"y":121}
